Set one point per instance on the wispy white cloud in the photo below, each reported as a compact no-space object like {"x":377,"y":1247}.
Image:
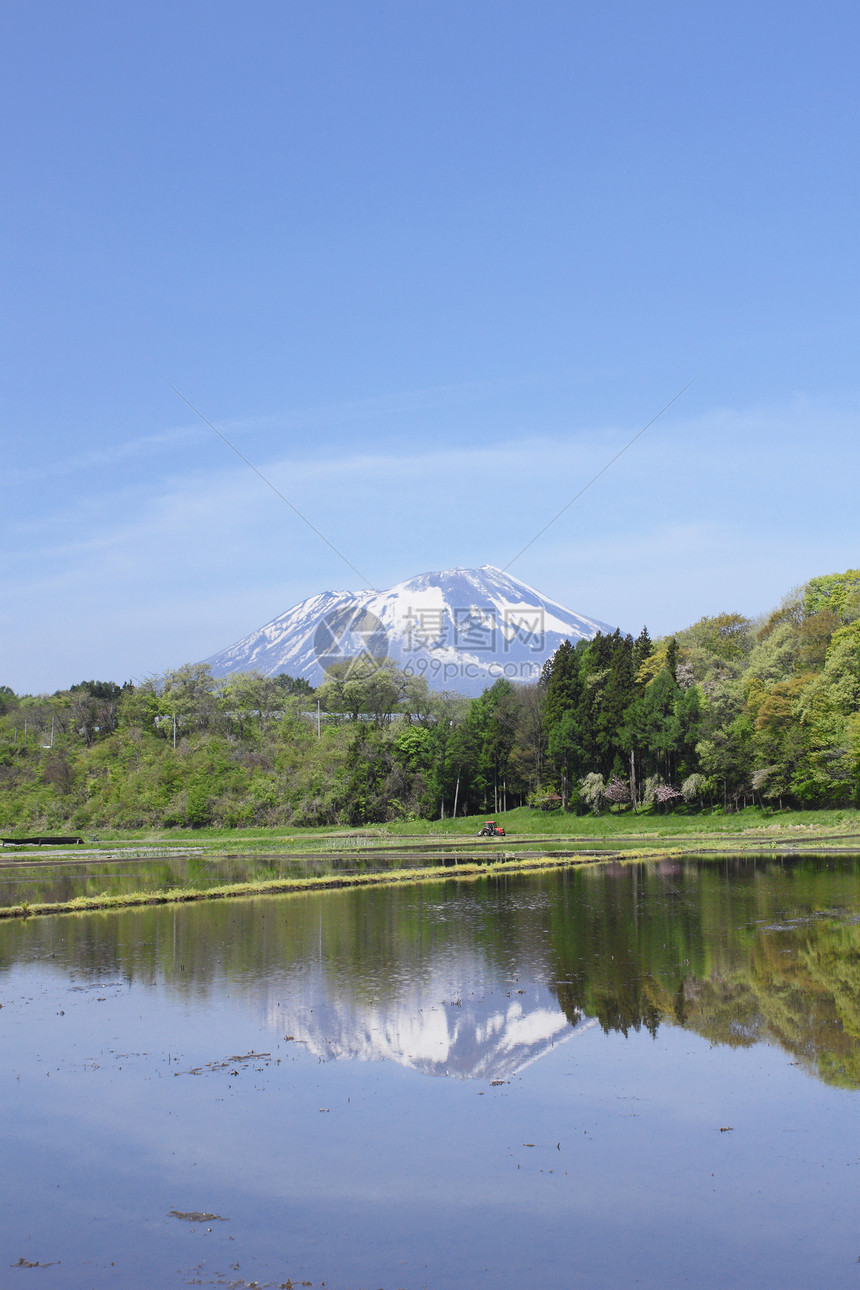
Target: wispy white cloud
{"x":109,"y":454}
{"x":191,"y":432}
{"x":378,"y":409}
{"x":724,"y":510}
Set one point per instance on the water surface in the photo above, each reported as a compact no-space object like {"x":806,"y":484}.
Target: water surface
{"x":619,"y":1075}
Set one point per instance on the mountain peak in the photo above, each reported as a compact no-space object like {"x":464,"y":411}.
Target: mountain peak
{"x":461,"y":629}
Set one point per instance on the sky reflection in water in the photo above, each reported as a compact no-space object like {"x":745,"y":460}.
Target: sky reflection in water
{"x":677,"y":1057}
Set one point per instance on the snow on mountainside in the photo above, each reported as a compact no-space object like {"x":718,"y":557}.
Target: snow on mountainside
{"x":461,"y":629}
{"x":481,"y":1034}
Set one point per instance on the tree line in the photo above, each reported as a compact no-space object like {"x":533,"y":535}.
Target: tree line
{"x":728,"y":712}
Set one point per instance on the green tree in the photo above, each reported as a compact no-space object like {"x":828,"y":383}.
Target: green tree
{"x":837,"y":592}
{"x":493,"y":719}
{"x":724,"y":748}
{"x":528,"y":755}
{"x":829,"y":708}
{"x":643,"y":648}
{"x":189,"y":694}
{"x":563,"y":691}
{"x":374,"y":688}
{"x":780,"y":743}
{"x":814,"y":635}
{"x":775,"y":655}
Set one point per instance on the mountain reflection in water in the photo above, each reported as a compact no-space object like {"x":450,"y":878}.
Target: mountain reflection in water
{"x":478,"y":979}
{"x":437,"y":1030}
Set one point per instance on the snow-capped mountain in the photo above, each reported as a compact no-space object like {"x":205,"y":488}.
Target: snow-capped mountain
{"x":461,"y":629}
{"x":463,"y":1031}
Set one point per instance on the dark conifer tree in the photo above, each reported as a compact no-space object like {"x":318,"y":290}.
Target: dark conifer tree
{"x":642,"y":649}
{"x":672,"y":653}
{"x":618,"y":693}
{"x":562,"y":684}
{"x":563,"y":681}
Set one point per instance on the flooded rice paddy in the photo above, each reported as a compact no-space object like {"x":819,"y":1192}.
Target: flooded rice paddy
{"x":55,"y":875}
{"x":618,"y":1075}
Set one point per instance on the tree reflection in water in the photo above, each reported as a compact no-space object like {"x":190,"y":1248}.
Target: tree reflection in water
{"x":477,"y":978}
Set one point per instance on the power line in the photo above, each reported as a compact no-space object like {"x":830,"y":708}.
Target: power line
{"x":269,"y":484}
{"x":600,"y":472}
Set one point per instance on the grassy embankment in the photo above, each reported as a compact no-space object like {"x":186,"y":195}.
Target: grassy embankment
{"x":276,"y":886}
{"x":534,"y":840}
{"x":522,"y":825}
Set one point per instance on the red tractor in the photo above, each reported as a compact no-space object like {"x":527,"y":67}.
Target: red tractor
{"x":490,"y":830}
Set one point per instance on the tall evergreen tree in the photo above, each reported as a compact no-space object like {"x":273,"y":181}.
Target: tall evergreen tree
{"x":642,"y":648}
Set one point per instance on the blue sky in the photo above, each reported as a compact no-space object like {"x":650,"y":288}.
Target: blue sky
{"x":428,"y":266}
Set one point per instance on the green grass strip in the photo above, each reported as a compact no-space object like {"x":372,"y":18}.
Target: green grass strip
{"x":327,"y":882}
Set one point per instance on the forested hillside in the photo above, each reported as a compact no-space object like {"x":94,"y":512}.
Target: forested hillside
{"x":727,"y":712}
